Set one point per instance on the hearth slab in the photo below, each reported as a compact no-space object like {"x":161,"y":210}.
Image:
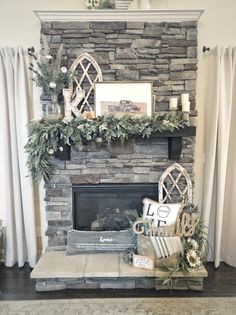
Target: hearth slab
{"x":102,"y":265}
{"x":55,"y":264}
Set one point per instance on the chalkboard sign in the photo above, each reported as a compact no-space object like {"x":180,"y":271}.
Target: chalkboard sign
{"x":102,"y":241}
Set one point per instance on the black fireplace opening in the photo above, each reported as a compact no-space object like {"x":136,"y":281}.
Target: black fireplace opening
{"x":109,"y":207}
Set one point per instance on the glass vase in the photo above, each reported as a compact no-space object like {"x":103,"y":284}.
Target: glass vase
{"x":54,"y":109}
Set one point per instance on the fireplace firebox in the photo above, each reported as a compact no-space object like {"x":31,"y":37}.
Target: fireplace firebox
{"x":103,"y":207}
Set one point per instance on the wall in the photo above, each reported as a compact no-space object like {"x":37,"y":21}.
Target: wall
{"x":19,"y":26}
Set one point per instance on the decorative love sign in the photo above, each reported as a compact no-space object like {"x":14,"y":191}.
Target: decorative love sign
{"x":144,"y":262}
{"x":162,"y":214}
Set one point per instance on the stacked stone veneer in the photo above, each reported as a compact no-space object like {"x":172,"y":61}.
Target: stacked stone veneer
{"x":137,"y":161}
{"x":164,"y":53}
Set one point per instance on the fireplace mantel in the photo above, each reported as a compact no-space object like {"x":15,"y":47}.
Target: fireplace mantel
{"x":119,"y":15}
{"x":174,"y":142}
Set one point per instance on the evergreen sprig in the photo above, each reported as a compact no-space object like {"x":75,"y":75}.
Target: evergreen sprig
{"x":47,"y":137}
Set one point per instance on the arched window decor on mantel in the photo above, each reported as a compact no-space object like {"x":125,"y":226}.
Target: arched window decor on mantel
{"x":86,"y":73}
{"x":174,"y":184}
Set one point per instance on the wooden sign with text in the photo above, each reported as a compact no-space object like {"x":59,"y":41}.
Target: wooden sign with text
{"x":144,"y":262}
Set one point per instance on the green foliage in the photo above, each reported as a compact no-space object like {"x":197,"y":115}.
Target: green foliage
{"x":46,"y":137}
{"x":197,"y":244}
{"x":48,"y":72}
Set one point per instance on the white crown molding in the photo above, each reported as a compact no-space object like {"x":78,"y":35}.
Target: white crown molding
{"x":119,"y":15}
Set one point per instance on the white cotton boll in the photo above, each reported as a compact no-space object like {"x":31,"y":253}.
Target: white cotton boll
{"x":63,"y":70}
{"x":52,"y":85}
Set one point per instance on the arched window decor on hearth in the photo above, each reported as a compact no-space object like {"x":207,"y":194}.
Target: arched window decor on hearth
{"x":175,"y":183}
{"x":86,"y":73}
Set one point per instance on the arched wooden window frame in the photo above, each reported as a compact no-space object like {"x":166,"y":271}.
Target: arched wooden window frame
{"x":186,"y":192}
{"x":79,"y":81}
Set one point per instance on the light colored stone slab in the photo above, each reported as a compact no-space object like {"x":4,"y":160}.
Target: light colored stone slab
{"x":127,"y":270}
{"x":102,"y":265}
{"x":201,"y":273}
{"x":55,"y":264}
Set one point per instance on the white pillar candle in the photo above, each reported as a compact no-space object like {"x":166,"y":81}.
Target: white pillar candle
{"x":173,"y":104}
{"x":184,"y":98}
{"x":186,"y":106}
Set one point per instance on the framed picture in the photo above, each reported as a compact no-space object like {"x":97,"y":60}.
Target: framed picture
{"x":123,"y":98}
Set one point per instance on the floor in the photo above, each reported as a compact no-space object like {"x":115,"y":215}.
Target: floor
{"x":15,"y":284}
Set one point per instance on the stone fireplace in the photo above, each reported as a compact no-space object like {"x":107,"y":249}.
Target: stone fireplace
{"x":156,"y":46}
{"x":162,"y":52}
{"x":138,"y":162}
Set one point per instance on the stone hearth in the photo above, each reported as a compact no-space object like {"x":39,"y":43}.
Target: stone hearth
{"x":55,"y":271}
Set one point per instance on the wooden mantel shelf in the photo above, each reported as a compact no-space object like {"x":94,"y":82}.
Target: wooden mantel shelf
{"x":174,"y":142}
{"x":119,"y":15}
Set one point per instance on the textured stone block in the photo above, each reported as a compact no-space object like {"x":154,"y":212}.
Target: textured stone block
{"x":108,"y":25}
{"x":153,"y":29}
{"x":186,"y":75}
{"x":42,"y":286}
{"x":70,"y":166}
{"x":56,"y":39}
{"x":53,"y":215}
{"x":174,"y":50}
{"x":184,"y":61}
{"x":144,"y":43}
{"x":144,"y":283}
{"x":135,"y":25}
{"x":190,"y":85}
{"x":127,"y":75}
{"x":70,"y":25}
{"x":192,"y":52}
{"x":118,"y":284}
{"x":85,"y":179}
{"x":192,"y":34}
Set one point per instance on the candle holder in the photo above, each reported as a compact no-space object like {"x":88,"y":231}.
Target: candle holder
{"x":185,"y":116}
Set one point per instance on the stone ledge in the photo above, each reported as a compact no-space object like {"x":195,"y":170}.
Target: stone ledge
{"x":56,"y":271}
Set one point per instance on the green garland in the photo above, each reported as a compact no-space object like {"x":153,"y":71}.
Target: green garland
{"x":47,"y":137}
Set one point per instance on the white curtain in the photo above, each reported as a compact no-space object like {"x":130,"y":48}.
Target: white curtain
{"x":16,"y":189}
{"x":219,"y":191}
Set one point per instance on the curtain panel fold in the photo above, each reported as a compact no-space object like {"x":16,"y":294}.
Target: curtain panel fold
{"x":16,"y":190}
{"x":219,"y":191}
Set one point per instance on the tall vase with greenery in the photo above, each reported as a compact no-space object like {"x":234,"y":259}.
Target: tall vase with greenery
{"x":50,"y":74}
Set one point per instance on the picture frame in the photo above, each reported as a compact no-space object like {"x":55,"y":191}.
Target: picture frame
{"x":124,"y":98}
